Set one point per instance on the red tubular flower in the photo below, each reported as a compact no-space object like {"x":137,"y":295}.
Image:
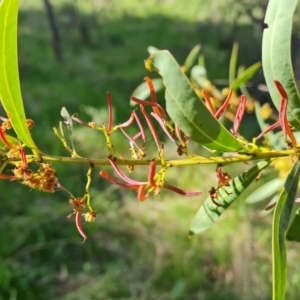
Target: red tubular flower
{"x":79,"y":225}
{"x":132,"y":184}
{"x":280,"y":89}
{"x":23,"y":155}
{"x":273,"y":126}
{"x":13,"y":148}
{"x":180,"y":191}
{"x":221,"y":110}
{"x":113,"y":180}
{"x":141,"y":193}
{"x":224,"y":105}
{"x":151,"y":174}
{"x":151,"y":127}
{"x":110,"y":113}
{"x":283,"y":121}
{"x":239,"y":115}
{"x":152,"y":183}
{"x":129,"y":122}
{"x":80,"y":122}
{"x":163,"y":126}
{"x":141,"y":187}
{"x":178,"y":135}
{"x":159,"y":111}
{"x":163,"y":114}
{"x":3,"y":138}
{"x":182,"y":142}
{"x":140,"y":127}
{"x":210,"y":105}
{"x":151,"y":88}
{"x":131,"y":140}
{"x":283,"y":114}
{"x":135,"y":137}
{"x":123,"y":176}
{"x":8,"y":177}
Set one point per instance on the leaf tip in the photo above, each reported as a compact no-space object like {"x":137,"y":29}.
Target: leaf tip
{"x":149,"y":64}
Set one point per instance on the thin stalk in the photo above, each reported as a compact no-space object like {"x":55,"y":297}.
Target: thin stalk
{"x":199,"y":160}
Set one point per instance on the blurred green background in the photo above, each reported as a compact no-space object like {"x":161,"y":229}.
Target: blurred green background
{"x":134,"y":250}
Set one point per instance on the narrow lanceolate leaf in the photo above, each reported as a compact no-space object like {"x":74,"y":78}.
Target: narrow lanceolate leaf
{"x":187,"y":110}
{"x":191,"y":58}
{"x":268,"y":189}
{"x":10,"y":92}
{"x":209,"y":212}
{"x":233,"y":62}
{"x":293,"y":233}
{"x":276,"y":55}
{"x":198,"y":73}
{"x":281,"y":218}
{"x":245,"y":76}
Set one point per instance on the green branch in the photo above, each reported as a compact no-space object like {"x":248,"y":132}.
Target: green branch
{"x":198,"y":160}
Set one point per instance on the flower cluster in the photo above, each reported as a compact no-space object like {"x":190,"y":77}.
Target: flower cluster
{"x":44,"y":178}
{"x":283,"y":121}
{"x":156,"y":180}
{"x":154,"y":184}
{"x":78,"y":205}
{"x":240,"y":111}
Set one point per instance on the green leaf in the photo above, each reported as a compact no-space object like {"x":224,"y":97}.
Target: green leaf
{"x":191,"y":58}
{"x":245,"y":76}
{"x":10,"y":92}
{"x":276,"y":55}
{"x":198,"y":73}
{"x":187,"y":110}
{"x":233,"y":62}
{"x":152,"y":49}
{"x":142,"y":91}
{"x":293,"y":232}
{"x":209,"y":212}
{"x":265,"y":191}
{"x":242,"y":86}
{"x":201,"y":60}
{"x":281,"y":218}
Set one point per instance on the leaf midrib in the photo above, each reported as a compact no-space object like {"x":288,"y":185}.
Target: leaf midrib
{"x":196,"y":127}
{"x":271,"y":60}
{"x":12,"y":103}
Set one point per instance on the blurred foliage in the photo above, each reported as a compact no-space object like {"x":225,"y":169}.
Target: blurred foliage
{"x":134,"y":251}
